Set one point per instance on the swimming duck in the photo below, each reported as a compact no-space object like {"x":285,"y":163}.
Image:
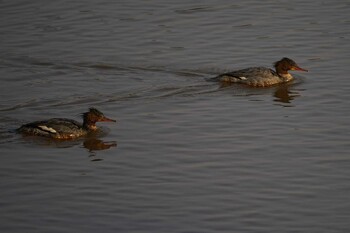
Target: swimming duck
{"x":261,"y":76}
{"x":63,"y":128}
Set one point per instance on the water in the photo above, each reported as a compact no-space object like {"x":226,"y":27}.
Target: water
{"x":186,"y":155}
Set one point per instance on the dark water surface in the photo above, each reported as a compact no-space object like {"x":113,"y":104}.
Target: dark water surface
{"x":186,"y":155}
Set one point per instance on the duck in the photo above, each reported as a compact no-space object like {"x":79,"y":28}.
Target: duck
{"x":63,"y":128}
{"x":262,"y":76}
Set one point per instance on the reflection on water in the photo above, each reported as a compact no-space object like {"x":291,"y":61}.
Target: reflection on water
{"x":93,"y":144}
{"x":50,"y":142}
{"x":283,"y":94}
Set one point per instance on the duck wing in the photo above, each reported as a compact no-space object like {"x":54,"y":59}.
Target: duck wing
{"x":246,"y":74}
{"x":51,"y":127}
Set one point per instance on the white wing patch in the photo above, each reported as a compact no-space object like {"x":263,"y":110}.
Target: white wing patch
{"x":243,"y":78}
{"x":45,"y":128}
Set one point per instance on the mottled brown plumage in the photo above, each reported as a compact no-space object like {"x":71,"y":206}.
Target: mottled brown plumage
{"x":63,"y":128}
{"x":261,"y":76}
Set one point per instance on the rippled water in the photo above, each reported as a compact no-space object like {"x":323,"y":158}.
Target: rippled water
{"x":186,"y":155}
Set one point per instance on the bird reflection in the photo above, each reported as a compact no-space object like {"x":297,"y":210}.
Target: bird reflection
{"x":93,"y":144}
{"x":283,"y":94}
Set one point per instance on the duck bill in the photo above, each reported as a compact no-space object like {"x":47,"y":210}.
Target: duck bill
{"x":105,"y":119}
{"x":299,"y":68}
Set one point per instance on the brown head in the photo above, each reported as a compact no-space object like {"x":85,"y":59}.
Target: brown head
{"x":93,"y":116}
{"x":282,"y":66}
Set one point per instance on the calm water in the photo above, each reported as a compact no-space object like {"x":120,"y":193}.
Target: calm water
{"x":186,"y":155}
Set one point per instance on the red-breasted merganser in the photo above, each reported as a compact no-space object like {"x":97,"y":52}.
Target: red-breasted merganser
{"x":62,"y":128}
{"x":261,"y":76}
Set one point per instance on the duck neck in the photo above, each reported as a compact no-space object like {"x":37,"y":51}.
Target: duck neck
{"x":89,"y":125}
{"x":283,"y":73}
{"x":286,"y":77}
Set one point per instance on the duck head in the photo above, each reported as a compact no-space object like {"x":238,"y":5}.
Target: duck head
{"x":284,"y":65}
{"x":93,"y":116}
